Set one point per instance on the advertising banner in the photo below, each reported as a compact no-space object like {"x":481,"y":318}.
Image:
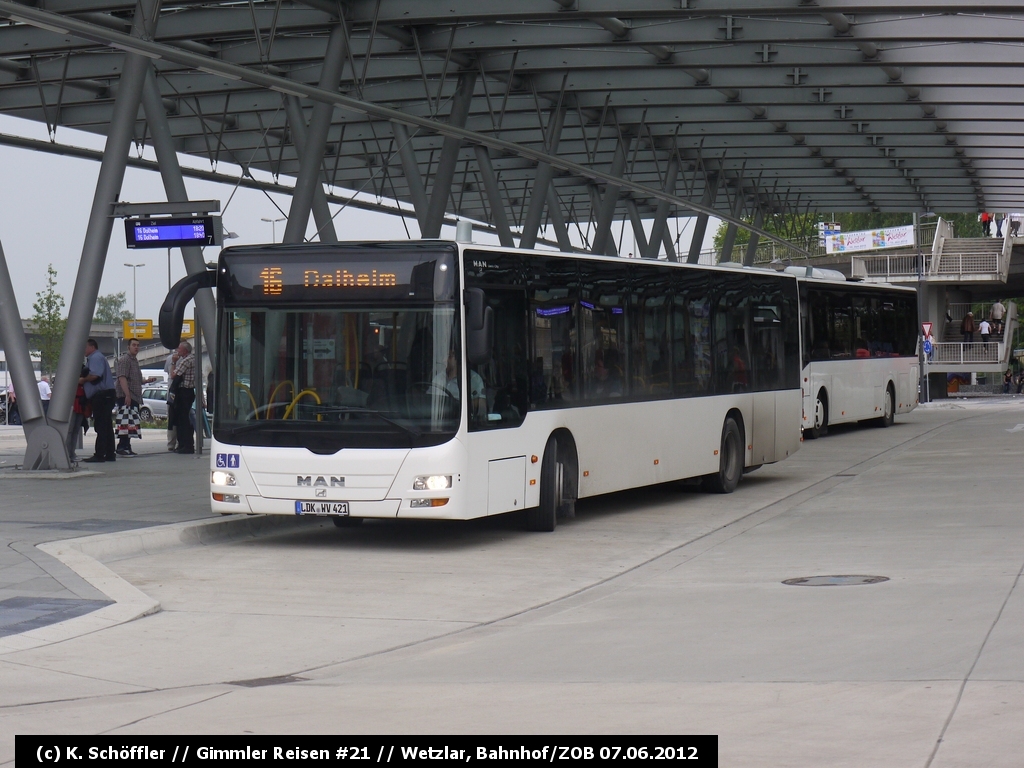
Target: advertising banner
{"x":871,"y":240}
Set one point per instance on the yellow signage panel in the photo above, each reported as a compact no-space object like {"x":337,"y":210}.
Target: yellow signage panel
{"x":137,"y":329}
{"x":188,"y":329}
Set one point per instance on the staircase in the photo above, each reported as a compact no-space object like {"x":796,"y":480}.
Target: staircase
{"x":951,"y":353}
{"x":969,"y":259}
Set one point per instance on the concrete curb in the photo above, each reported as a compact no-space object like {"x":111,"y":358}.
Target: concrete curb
{"x":84,"y":555}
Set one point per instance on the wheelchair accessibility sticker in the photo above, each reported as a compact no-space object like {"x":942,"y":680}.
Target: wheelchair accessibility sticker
{"x":227,"y":460}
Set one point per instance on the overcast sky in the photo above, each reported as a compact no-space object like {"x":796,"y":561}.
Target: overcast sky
{"x":45,"y":201}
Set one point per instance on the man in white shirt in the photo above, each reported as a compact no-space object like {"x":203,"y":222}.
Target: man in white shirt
{"x":985,"y":330}
{"x":44,"y":393}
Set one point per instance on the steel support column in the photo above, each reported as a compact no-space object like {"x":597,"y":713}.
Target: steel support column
{"x":174,"y":187}
{"x":316,"y":141}
{"x":558,"y":220}
{"x":669,"y":243}
{"x":658,"y":230}
{"x":97,"y":235}
{"x":445,"y":173}
{"x":411,"y":171}
{"x":638,"y":227}
{"x":748,"y":258}
{"x":45,"y":444}
{"x":541,"y":183}
{"x":700,"y":227}
{"x":321,"y":210}
{"x":606,"y":213}
{"x":498,"y":213}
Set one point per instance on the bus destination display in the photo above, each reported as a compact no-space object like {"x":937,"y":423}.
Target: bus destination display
{"x":172,"y":232}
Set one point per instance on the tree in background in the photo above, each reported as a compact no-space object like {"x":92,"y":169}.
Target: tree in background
{"x":112,"y":309}
{"x":50,"y":322}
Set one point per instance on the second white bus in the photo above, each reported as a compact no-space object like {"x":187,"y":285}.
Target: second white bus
{"x":860,"y":355}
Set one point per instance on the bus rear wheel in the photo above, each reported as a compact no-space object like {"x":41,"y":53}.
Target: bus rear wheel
{"x":888,"y":408}
{"x":730,"y":460}
{"x":820,"y":416}
{"x":555,"y":502}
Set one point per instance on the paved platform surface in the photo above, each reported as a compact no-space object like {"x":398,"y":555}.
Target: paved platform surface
{"x":660,"y":610}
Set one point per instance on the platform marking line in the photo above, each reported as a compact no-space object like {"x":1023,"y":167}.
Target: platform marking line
{"x":967,"y":677}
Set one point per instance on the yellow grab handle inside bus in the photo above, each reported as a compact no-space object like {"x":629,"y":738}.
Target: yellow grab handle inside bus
{"x":298,"y":397}
{"x":255,"y":408}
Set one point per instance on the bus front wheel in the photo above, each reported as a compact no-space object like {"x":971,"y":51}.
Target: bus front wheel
{"x":554,"y":501}
{"x":820,"y":428}
{"x":730,"y":457}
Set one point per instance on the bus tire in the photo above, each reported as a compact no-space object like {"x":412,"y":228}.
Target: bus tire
{"x":544,"y":517}
{"x":820,"y":416}
{"x":730,"y":460}
{"x":888,"y":408}
{"x":346,"y":522}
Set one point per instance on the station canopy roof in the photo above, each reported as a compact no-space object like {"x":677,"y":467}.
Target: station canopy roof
{"x":782,"y":105}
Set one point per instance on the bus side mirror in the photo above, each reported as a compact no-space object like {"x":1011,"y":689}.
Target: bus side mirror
{"x":172,"y":313}
{"x":479,"y":327}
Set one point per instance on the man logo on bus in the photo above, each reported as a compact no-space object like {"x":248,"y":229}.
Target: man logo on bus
{"x":273,"y":285}
{"x":320,"y":482}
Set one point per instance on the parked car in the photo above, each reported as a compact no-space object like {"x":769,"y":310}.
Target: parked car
{"x":154,"y":403}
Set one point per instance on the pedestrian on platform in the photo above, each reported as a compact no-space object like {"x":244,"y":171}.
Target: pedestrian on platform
{"x":44,"y":393}
{"x":1014,"y":224}
{"x":99,"y":388}
{"x":999,"y":224}
{"x":79,"y":423}
{"x":986,"y":223}
{"x":172,"y":435}
{"x":985,"y":330}
{"x":998,"y":312}
{"x":184,"y":386}
{"x":967,"y":327}
{"x":1007,"y":380}
{"x":129,"y":398}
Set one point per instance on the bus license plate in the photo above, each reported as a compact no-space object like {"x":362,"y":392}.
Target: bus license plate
{"x":321,"y":507}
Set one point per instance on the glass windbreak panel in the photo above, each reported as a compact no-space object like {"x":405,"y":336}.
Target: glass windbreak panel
{"x":329,"y":378}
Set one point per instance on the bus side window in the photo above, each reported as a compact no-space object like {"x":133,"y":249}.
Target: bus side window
{"x":732,"y":337}
{"x":604,"y":351}
{"x":691,"y":335}
{"x":650,"y":374}
{"x":553,"y":353}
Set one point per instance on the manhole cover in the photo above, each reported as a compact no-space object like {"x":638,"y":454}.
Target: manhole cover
{"x":834,"y":581}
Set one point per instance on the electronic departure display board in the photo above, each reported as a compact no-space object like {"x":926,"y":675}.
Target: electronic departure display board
{"x":173,"y":232}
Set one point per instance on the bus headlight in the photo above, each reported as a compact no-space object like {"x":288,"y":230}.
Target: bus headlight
{"x":432,"y":483}
{"x":222,"y":478}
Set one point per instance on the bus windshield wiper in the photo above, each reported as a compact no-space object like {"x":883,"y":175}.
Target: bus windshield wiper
{"x":378,"y":414}
{"x":293,"y":426}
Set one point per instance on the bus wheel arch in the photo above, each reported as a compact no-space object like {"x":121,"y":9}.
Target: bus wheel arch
{"x":730,"y":457}
{"x":559,"y":483}
{"x":819,"y":426}
{"x":888,"y":406}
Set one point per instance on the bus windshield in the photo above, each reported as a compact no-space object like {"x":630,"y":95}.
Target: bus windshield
{"x":327,"y":378}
